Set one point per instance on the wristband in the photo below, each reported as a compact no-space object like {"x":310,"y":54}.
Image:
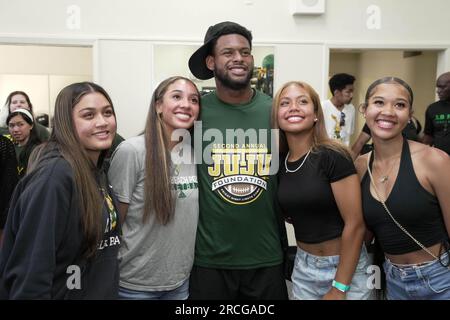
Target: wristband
{"x":340,"y":286}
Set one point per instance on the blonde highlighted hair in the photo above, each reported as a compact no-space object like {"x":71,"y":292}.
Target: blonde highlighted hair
{"x":158,"y":195}
{"x":320,"y":136}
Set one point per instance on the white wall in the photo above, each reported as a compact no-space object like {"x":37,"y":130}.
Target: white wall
{"x":26,"y":59}
{"x":301,"y":42}
{"x":344,"y":20}
{"x":125,"y":71}
{"x":443,"y":62}
{"x":301,"y":62}
{"x":42,"y":89}
{"x":41,"y":71}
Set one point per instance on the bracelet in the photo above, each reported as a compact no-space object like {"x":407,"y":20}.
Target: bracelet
{"x":340,"y":286}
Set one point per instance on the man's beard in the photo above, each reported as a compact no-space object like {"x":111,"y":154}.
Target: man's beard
{"x":226,"y":81}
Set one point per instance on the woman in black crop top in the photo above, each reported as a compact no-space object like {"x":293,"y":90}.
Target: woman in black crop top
{"x":319,"y":192}
{"x":414,"y":181}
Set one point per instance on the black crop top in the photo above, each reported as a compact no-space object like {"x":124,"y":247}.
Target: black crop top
{"x":417,"y":210}
{"x":307,"y":198}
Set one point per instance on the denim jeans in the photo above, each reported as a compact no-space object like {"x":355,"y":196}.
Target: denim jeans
{"x":313,"y":275}
{"x":430,"y":281}
{"x":180,"y":293}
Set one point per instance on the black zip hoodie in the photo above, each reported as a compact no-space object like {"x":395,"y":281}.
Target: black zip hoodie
{"x":40,"y":257}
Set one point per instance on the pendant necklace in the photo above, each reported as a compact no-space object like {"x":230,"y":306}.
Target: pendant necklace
{"x":385,"y":178}
{"x":301,"y":164}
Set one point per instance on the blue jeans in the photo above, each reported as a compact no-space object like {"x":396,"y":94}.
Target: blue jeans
{"x":313,"y":275}
{"x":180,"y":293}
{"x":429,"y":281}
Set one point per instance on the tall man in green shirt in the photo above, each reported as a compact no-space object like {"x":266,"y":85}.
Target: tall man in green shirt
{"x":238,"y":251}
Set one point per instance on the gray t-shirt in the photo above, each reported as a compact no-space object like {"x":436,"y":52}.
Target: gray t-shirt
{"x":154,"y":257}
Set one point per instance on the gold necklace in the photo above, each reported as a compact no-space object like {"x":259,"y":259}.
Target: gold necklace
{"x":385,"y":178}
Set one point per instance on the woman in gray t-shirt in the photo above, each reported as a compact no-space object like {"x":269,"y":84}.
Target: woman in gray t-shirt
{"x":155,"y":179}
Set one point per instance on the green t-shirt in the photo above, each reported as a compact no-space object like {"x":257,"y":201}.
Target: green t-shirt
{"x":237,"y":225}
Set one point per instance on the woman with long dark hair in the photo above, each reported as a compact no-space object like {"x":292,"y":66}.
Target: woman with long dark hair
{"x":62,"y":234}
{"x":158,"y":196}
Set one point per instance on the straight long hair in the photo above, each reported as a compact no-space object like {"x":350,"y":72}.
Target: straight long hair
{"x":65,"y":140}
{"x":158,"y":194}
{"x":320,"y":136}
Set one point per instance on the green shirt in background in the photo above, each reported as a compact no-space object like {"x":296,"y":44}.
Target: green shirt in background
{"x":237,"y":224}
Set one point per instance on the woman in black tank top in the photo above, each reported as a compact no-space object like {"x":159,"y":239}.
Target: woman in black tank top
{"x":413,"y":181}
{"x":319,"y":192}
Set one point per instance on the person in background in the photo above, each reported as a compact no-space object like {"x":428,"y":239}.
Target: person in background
{"x":338,"y":111}
{"x":238,"y":252}
{"x":21,"y":127}
{"x":62,"y":235}
{"x":158,"y":197}
{"x":319,"y":193}
{"x":20,"y":100}
{"x":405,"y":191}
{"x":437,"y":116}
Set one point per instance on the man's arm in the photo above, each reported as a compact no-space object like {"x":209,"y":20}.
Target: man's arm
{"x":359,"y":144}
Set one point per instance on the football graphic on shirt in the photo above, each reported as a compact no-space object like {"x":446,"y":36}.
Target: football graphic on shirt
{"x":240,"y":175}
{"x":240,"y":189}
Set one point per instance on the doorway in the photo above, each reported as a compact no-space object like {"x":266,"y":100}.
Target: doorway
{"x":417,"y":67}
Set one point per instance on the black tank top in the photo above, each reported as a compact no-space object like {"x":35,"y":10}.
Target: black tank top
{"x":417,"y":210}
